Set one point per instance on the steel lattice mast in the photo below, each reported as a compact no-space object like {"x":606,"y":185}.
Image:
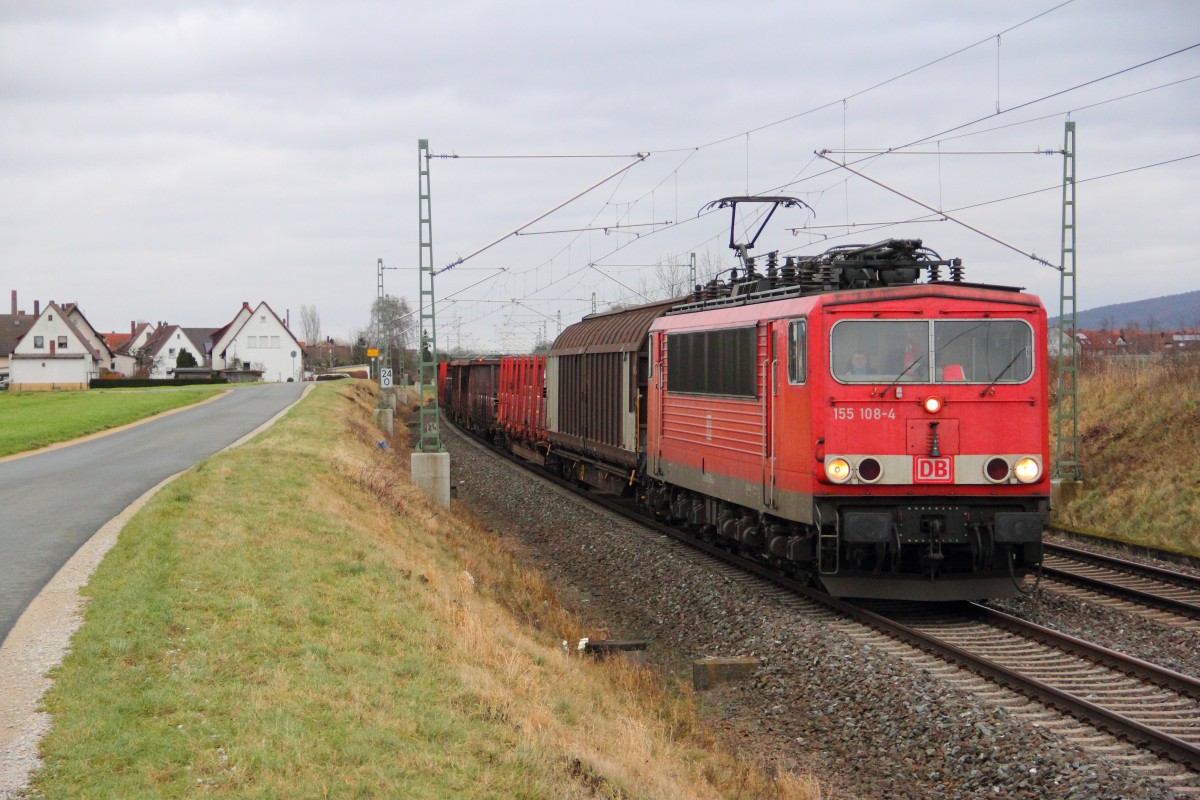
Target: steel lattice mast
{"x":430,"y":439}
{"x":1066,"y":451}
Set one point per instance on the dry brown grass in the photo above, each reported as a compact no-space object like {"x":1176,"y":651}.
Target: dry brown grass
{"x":619,"y":730}
{"x":1139,"y":429}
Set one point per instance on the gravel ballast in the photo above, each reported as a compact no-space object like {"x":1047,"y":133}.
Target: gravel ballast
{"x":869,"y":724}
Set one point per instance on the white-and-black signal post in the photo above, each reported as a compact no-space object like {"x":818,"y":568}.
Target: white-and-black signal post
{"x":385,"y":378}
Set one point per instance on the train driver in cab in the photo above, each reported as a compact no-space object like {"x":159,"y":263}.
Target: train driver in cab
{"x":858,"y":364}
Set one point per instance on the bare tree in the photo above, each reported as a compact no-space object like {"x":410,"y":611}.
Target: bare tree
{"x":145,"y":362}
{"x":670,"y":278}
{"x":392,"y":326}
{"x":310,"y":324}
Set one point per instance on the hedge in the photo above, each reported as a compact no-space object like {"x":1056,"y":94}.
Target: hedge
{"x":122,"y":383}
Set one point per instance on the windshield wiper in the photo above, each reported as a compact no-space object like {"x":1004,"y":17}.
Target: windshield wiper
{"x":1007,"y":367}
{"x":904,"y":372}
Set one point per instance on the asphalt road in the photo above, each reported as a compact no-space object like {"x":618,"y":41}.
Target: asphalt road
{"x":51,"y":503}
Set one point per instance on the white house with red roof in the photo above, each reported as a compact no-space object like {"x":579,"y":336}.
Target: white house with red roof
{"x":257,"y":339}
{"x":60,"y":350}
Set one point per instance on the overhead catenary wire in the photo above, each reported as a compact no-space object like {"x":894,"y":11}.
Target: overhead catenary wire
{"x":691,"y":151}
{"x":939,"y":136}
{"x":939,"y":216}
{"x":637,"y":160}
{"x":871,"y":88}
{"x":536,"y":156}
{"x":876,"y":151}
{"x":1052,"y":95}
{"x":984,"y":234}
{"x":625,"y":210}
{"x":1070,"y":111}
{"x":605,"y":228}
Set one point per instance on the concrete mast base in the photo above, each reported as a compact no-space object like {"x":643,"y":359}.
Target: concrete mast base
{"x":431,"y":472}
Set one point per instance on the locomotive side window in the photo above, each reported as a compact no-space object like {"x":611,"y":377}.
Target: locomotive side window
{"x":983,"y":350}
{"x":797,"y":347}
{"x":713,"y":362}
{"x":871,"y":351}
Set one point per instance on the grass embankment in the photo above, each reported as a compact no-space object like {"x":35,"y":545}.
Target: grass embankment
{"x":29,"y":420}
{"x":293,"y":619}
{"x":1139,"y":434}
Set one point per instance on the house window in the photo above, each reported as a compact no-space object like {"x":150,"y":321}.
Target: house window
{"x":62,"y":341}
{"x":171,"y":351}
{"x":39,"y":342}
{"x":274,"y":342}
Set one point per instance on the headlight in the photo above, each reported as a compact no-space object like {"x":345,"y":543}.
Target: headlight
{"x":932,"y":404}
{"x":838,"y":470}
{"x":1027,"y":470}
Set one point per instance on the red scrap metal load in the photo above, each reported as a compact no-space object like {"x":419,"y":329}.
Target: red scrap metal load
{"x":595,"y":393}
{"x":522,"y":389}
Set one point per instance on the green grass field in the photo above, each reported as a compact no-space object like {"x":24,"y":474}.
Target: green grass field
{"x":29,"y":420}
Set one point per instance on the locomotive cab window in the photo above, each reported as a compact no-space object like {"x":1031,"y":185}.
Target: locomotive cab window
{"x":874,"y":351}
{"x":720,"y":362}
{"x":962,"y":351}
{"x":797,"y":347}
{"x":983,"y":350}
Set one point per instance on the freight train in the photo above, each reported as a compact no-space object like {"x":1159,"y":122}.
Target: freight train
{"x":835,"y":416}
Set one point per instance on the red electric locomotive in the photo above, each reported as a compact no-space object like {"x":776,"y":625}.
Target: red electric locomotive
{"x":839,"y":419}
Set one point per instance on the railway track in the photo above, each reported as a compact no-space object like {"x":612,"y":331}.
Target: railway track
{"x":1131,"y":699}
{"x":1166,"y":596}
{"x":1142,"y":716}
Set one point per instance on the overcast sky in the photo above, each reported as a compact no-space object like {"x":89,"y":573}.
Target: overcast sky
{"x":170,"y":160}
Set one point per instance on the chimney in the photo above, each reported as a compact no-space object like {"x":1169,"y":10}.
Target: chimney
{"x":37,"y":307}
{"x":14,"y":303}
{"x":288,"y":319}
{"x":132,"y":327}
{"x":245,"y":305}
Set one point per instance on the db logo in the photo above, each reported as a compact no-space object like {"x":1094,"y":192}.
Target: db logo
{"x":933,"y":470}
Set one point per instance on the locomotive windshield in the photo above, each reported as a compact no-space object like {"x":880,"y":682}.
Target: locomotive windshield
{"x":960,"y":351}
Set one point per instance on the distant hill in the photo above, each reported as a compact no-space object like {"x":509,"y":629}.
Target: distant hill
{"x":1158,"y":313}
